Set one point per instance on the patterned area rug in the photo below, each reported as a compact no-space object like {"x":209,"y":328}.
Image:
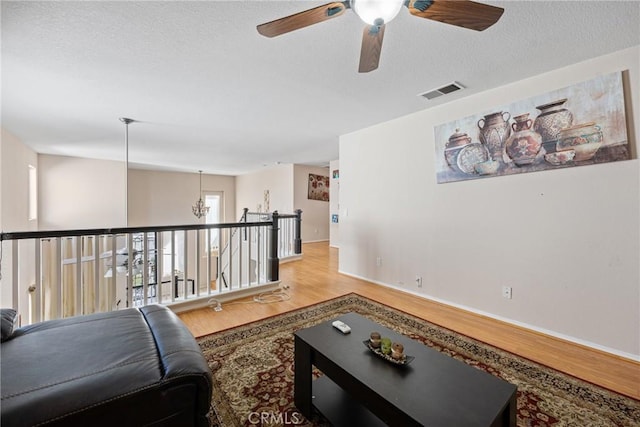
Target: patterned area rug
{"x":253,"y":373}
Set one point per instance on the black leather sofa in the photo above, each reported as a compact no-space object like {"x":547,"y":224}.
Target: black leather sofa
{"x":133,"y":367}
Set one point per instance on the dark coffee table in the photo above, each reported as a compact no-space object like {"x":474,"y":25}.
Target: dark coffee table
{"x":361,"y":389}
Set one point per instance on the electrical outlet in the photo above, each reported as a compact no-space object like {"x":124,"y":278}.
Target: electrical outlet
{"x":378,"y":261}
{"x":506,"y":292}
{"x":419,"y":281}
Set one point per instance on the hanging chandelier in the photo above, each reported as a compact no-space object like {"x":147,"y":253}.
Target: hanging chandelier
{"x":199,"y":209}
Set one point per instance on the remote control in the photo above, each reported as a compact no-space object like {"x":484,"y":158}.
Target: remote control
{"x":342,"y":327}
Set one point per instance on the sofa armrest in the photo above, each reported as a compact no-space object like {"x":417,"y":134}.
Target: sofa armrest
{"x":179,"y":353}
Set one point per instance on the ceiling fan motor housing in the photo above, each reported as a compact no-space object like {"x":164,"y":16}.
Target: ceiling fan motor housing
{"x":371,"y":11}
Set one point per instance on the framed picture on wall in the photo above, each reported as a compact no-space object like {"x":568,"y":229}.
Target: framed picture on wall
{"x":582,"y":124}
{"x":318,"y":187}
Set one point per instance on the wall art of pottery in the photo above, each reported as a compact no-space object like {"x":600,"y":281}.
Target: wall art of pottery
{"x":583,"y":123}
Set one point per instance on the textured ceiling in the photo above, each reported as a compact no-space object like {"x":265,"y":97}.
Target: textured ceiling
{"x":211,"y":93}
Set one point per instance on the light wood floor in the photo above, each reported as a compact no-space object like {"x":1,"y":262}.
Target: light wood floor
{"x":315,"y":279}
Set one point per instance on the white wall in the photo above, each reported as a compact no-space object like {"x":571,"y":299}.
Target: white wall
{"x":15,"y":158}
{"x":278,"y":180}
{"x":88,"y":193}
{"x":567,"y":241}
{"x":334,"y":204}
{"x":80,"y":193}
{"x":287,"y":185}
{"x":165,"y":198}
{"x":315,"y":213}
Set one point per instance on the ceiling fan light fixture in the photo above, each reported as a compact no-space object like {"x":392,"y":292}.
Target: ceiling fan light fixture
{"x":371,"y":11}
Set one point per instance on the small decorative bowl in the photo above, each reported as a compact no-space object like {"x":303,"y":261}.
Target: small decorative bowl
{"x":487,"y":168}
{"x":560,"y":157}
{"x":585,"y":139}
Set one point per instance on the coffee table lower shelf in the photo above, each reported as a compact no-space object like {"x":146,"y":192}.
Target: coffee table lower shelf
{"x":338,"y":407}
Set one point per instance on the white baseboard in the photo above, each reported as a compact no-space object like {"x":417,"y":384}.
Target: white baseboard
{"x":296,"y":257}
{"x":549,"y":332}
{"x":315,"y":241}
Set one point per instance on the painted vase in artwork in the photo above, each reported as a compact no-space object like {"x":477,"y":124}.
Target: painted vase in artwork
{"x":585,"y":139}
{"x":456,"y":142}
{"x":470,"y":156}
{"x":494,"y":131}
{"x":524,"y":144}
{"x":552,"y":119}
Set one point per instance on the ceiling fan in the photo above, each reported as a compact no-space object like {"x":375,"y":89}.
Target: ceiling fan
{"x":377,"y":13}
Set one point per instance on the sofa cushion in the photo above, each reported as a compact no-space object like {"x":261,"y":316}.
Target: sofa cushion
{"x":9,"y":319}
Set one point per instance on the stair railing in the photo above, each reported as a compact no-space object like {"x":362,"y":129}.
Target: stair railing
{"x":288,"y":244}
{"x":289,"y":231}
{"x":54,"y":274}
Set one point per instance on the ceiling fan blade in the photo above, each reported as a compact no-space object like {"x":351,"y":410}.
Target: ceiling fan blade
{"x":371,"y":46}
{"x":302,"y":19}
{"x":462,"y":13}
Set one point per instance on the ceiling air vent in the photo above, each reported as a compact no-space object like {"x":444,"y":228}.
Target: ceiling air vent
{"x":434,"y":93}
